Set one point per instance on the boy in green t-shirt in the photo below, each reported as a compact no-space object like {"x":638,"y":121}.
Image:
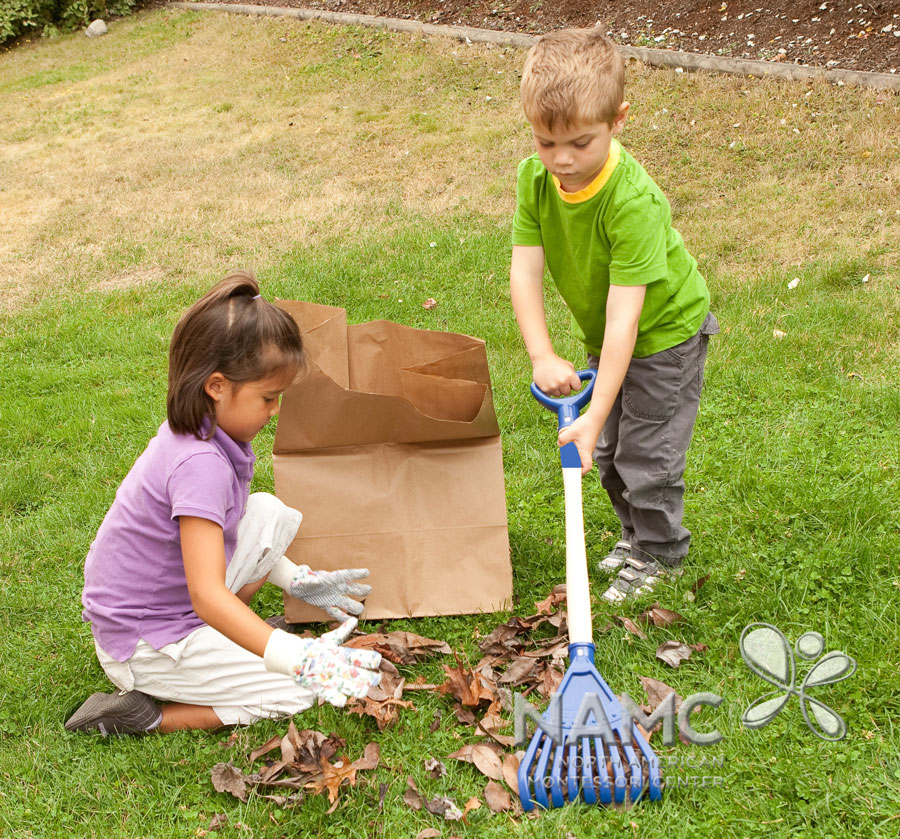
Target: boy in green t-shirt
{"x":638,"y":303}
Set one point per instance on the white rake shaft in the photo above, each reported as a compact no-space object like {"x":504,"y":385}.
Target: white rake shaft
{"x":578,"y":596}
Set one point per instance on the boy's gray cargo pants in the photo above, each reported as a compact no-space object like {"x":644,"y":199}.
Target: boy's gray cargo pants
{"x":641,"y":452}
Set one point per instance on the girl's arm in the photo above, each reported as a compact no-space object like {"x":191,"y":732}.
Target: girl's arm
{"x":552,"y":374}
{"x":203,"y":551}
{"x":320,"y":665}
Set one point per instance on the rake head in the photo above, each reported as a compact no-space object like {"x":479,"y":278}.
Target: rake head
{"x":588,"y":747}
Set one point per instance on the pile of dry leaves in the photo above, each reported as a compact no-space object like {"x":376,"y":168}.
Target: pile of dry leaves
{"x":528,"y":654}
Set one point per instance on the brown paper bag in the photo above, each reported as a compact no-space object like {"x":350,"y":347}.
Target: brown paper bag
{"x":389,"y":446}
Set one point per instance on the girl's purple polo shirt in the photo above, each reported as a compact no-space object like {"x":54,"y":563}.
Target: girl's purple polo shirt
{"x":134,"y":582}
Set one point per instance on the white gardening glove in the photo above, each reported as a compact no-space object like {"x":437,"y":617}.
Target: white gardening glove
{"x":332,"y":591}
{"x":322,"y":665}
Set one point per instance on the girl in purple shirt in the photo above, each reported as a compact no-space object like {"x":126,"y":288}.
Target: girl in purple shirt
{"x":184,"y":547}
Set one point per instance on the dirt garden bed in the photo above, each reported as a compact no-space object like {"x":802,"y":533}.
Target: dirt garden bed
{"x":822,"y":33}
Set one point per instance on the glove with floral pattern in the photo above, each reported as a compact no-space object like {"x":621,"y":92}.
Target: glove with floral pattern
{"x":322,"y":665}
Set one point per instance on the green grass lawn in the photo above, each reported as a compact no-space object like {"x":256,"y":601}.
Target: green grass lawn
{"x":793,"y":488}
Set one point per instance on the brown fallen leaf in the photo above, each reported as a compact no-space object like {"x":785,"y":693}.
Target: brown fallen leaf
{"x":412,"y":797}
{"x":660,"y":617}
{"x":219,"y":820}
{"x":511,"y":772}
{"x":430,"y":303}
{"x":552,"y":600}
{"x":335,"y":775}
{"x":428,"y":833}
{"x":472,"y":804}
{"x":485,"y":757}
{"x":468,"y":687}
{"x":464,"y":716}
{"x":370,"y":758}
{"x":384,"y":712}
{"x":232,"y":738}
{"x":265,"y":748}
{"x":519,"y":671}
{"x":657,"y":691}
{"x":700,"y":583}
{"x":400,"y":647}
{"x":673,"y":653}
{"x":490,"y":725}
{"x":631,"y":626}
{"x":435,"y":768}
{"x":228,"y":778}
{"x":446,"y":807}
{"x":496,"y":797}
{"x":550,"y":679}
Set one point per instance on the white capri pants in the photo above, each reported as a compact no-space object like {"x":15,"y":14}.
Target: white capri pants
{"x":206,"y":668}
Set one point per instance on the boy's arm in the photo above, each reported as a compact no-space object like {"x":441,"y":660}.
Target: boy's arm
{"x":623,"y":311}
{"x":552,"y":374}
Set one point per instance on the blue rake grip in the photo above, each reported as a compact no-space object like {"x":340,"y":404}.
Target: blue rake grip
{"x":567,"y":409}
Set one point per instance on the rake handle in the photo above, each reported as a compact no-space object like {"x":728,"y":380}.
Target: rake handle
{"x":578,"y":597}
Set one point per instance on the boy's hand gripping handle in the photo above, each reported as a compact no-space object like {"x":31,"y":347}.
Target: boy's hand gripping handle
{"x":578,"y":597}
{"x":567,"y":409}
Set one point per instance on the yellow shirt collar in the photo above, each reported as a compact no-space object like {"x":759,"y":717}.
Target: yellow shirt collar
{"x":615,"y":151}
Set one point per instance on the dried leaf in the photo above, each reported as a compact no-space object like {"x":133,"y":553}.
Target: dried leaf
{"x":673,"y":653}
{"x":487,"y":761}
{"x":550,"y":679}
{"x":400,"y":647}
{"x":657,"y":691}
{"x":472,"y":804}
{"x":370,"y":759}
{"x":435,"y":768}
{"x":468,"y":687}
{"x":430,"y":303}
{"x":443,"y":806}
{"x":464,"y":716}
{"x":551,"y":601}
{"x":520,"y":670}
{"x":291,"y":746}
{"x":511,"y":772}
{"x":232,"y":738}
{"x":384,"y":712}
{"x":219,"y":820}
{"x":265,"y":748}
{"x":334,"y":775}
{"x":630,"y":625}
{"x":660,"y":617}
{"x":228,"y":778}
{"x":496,"y":797}
{"x":700,"y":583}
{"x":428,"y":833}
{"x":412,"y":797}
{"x":490,"y":725}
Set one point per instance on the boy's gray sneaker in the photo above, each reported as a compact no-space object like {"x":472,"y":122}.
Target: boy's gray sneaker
{"x":640,"y":576}
{"x":615,"y":559}
{"x":122,"y":712}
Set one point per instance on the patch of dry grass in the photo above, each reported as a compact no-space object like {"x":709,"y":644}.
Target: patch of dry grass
{"x":183,"y":144}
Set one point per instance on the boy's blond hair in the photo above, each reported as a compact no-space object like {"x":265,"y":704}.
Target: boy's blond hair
{"x":573,"y":77}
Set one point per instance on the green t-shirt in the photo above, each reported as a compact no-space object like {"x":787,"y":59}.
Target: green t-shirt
{"x":615,"y":231}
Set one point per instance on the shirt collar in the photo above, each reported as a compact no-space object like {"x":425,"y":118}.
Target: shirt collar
{"x":615,"y":152}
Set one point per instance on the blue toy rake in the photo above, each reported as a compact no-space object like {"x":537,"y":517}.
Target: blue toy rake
{"x":619,"y":763}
